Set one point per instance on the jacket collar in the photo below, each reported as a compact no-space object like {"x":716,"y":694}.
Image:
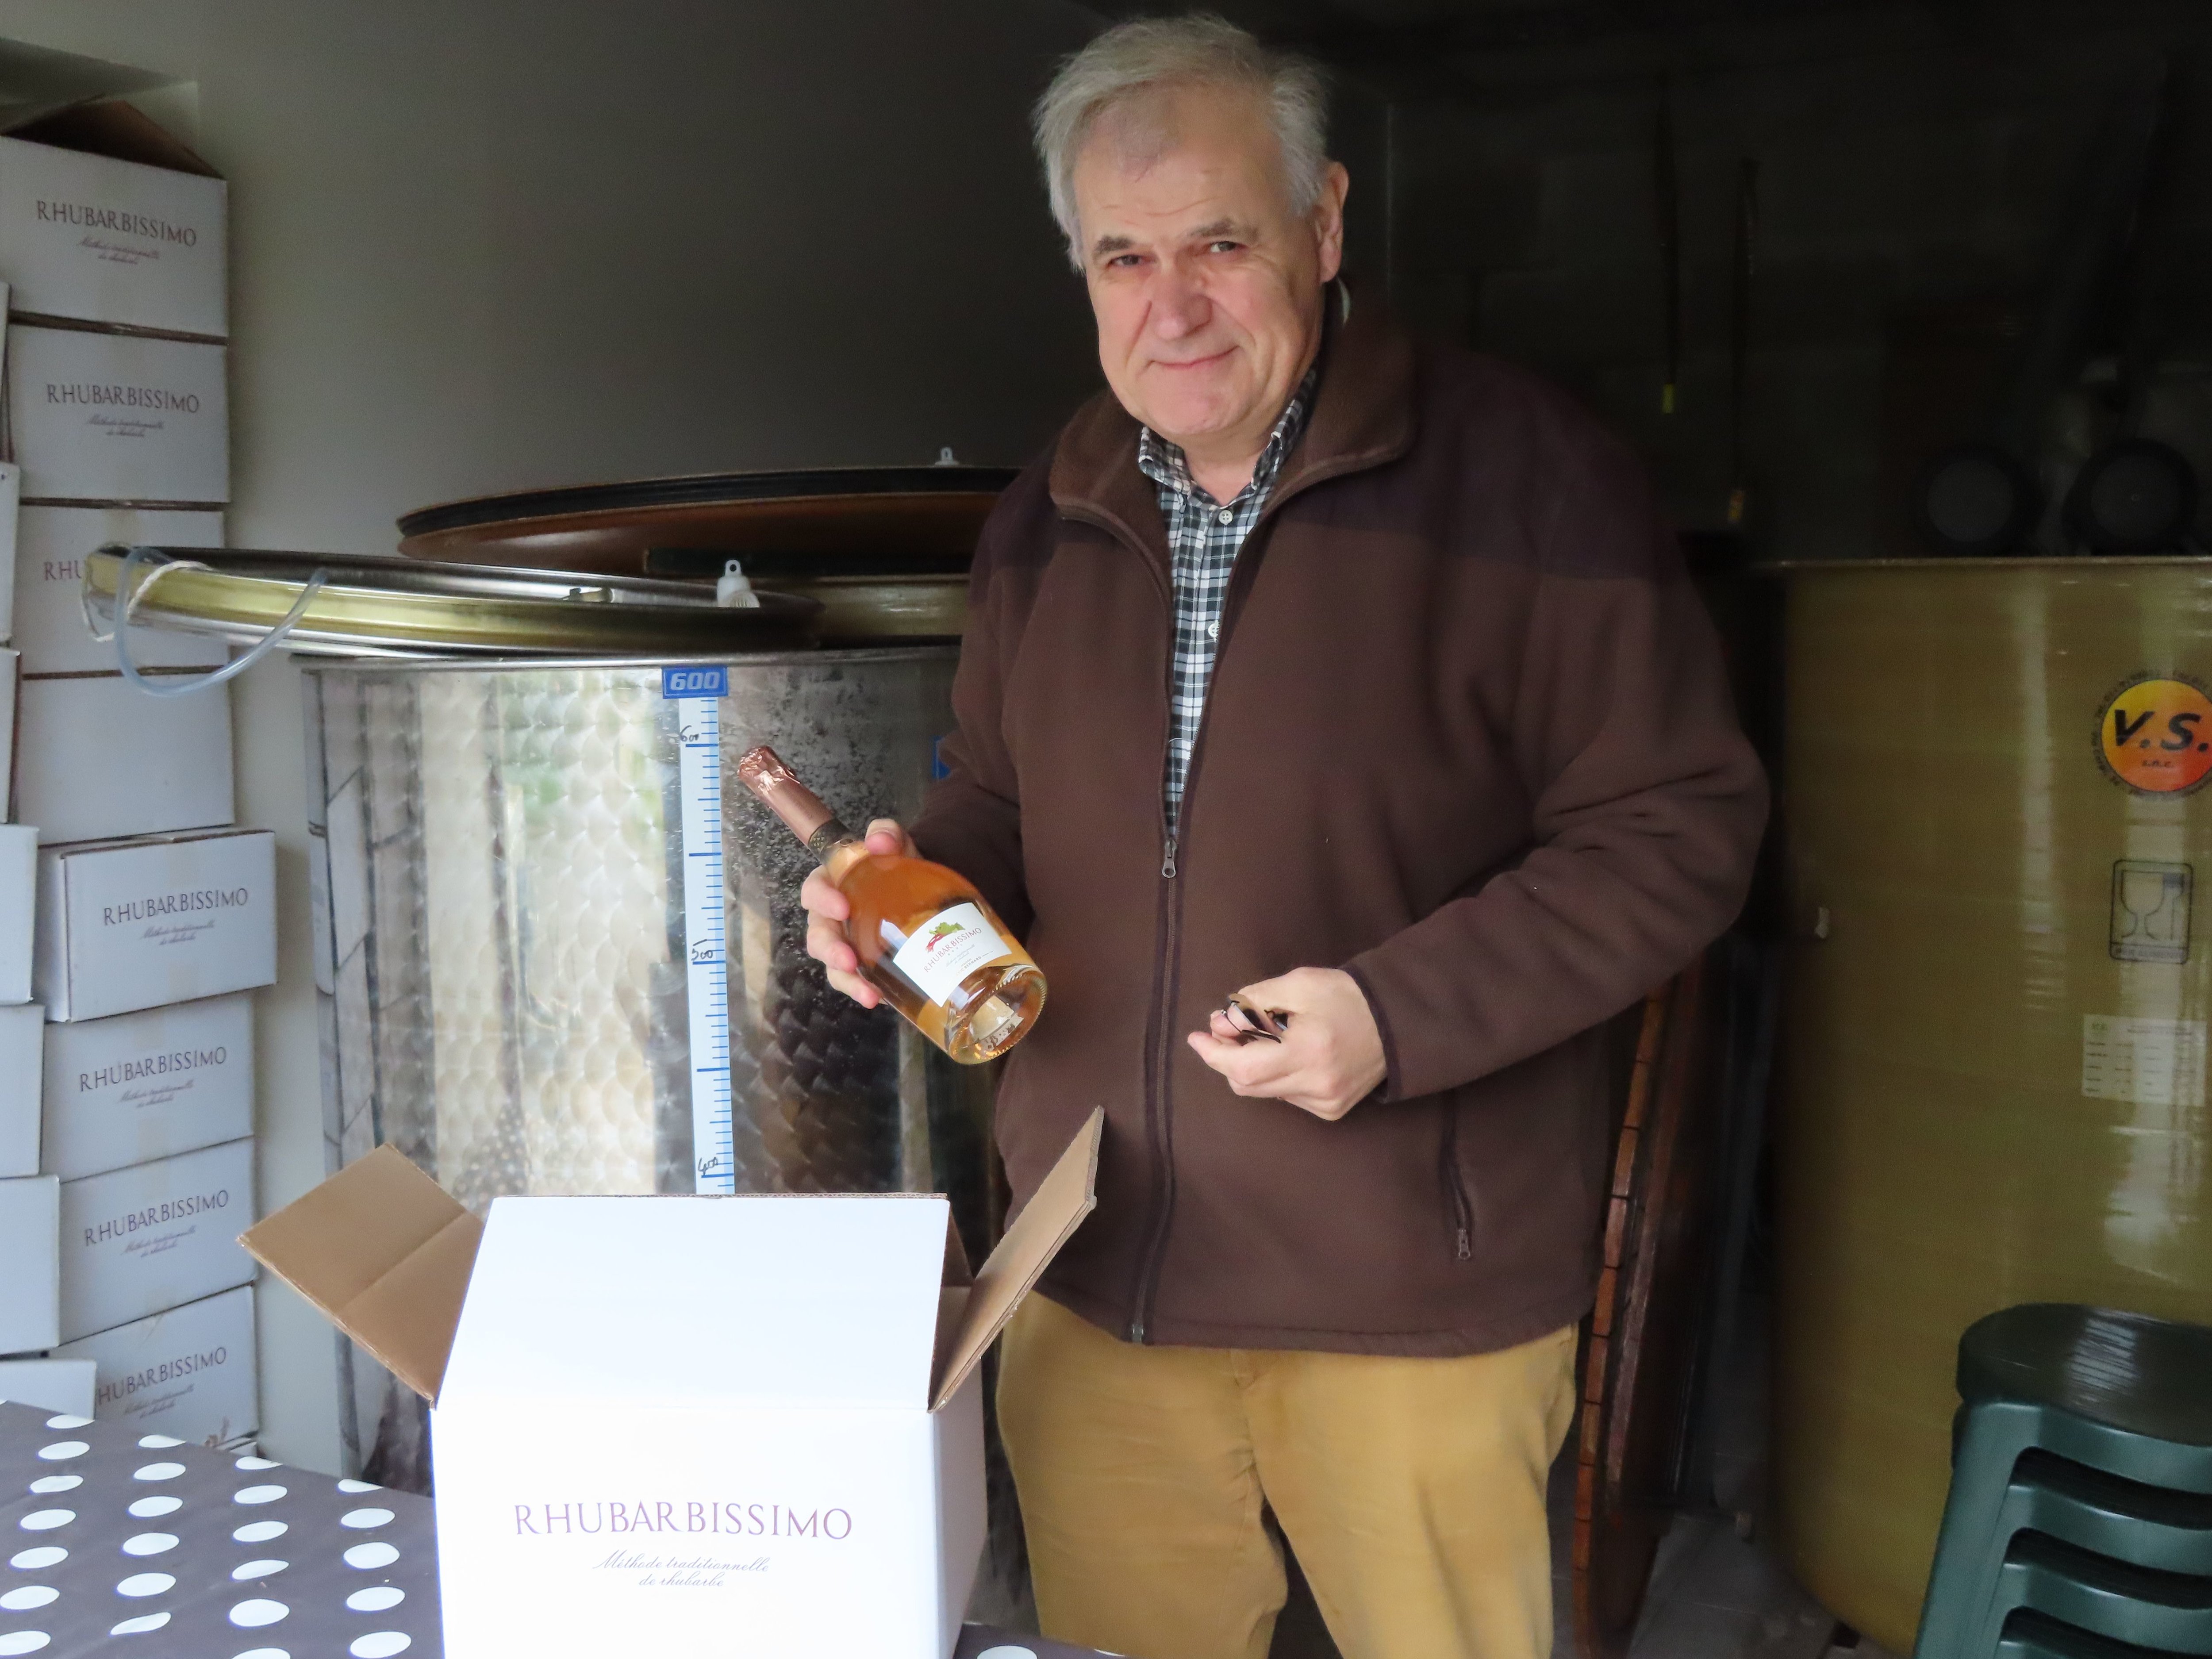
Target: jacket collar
{"x":1363,"y":418}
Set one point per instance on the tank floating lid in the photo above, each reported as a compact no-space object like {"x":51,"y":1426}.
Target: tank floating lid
{"x":862,"y":520}
{"x":368,"y":606}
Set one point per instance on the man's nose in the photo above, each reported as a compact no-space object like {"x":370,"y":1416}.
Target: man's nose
{"x":1179,"y":306}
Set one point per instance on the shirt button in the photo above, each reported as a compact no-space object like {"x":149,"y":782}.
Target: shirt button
{"x":1213,"y":630}
{"x":1226,"y":516}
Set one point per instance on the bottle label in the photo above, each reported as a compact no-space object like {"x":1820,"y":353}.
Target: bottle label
{"x":947,"y":948}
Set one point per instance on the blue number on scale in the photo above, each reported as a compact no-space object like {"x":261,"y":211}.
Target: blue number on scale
{"x":699,"y":680}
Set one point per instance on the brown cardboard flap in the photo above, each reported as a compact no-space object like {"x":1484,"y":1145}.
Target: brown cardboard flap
{"x":384,"y":1252}
{"x":956,"y":1270}
{"x":111,"y":127}
{"x":1065,"y":1197}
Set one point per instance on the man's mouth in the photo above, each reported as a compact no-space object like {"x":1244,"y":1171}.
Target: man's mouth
{"x":1194,"y":362}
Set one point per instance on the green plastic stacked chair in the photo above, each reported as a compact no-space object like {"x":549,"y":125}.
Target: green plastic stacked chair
{"x":2080,"y":1520}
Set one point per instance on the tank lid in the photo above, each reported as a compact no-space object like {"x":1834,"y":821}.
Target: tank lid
{"x":860,"y":520}
{"x":390,"y":607}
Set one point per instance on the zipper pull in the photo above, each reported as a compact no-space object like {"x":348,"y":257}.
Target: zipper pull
{"x":1168,"y":864}
{"x":1136,"y":1330}
{"x":1466,"y":1249}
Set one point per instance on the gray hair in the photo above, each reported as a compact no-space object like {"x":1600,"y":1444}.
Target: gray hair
{"x":1201,"y":50}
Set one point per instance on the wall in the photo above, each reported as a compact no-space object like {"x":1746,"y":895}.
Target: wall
{"x":487,"y":245}
{"x":1913,"y":164}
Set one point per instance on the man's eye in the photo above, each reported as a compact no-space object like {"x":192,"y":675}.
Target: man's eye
{"x":1223,"y":247}
{"x":1123,"y":262}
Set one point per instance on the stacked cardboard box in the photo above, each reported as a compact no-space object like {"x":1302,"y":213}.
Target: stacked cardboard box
{"x":125,"y":1140}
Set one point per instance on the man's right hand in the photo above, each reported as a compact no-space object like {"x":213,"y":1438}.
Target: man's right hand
{"x":827,"y":910}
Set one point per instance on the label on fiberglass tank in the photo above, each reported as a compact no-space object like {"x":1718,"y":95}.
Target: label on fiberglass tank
{"x":947,"y":948}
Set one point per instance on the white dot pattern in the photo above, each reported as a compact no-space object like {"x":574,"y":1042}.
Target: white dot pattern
{"x":118,"y":1541}
{"x":69,"y":1422}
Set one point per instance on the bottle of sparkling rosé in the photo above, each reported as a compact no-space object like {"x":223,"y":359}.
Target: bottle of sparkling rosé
{"x":924,"y":935}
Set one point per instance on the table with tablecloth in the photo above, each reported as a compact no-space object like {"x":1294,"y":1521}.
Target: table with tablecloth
{"x":107,"y":1535}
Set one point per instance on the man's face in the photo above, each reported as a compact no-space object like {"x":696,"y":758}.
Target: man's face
{"x":1207,"y":288}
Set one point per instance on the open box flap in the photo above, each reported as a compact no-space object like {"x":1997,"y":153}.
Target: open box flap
{"x":386,"y":1253}
{"x":109,"y":127}
{"x":972,"y":1320}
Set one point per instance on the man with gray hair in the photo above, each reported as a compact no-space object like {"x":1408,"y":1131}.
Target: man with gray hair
{"x":1355,"y":681}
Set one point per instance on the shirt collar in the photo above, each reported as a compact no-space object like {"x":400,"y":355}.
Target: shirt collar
{"x":1164,"y":463}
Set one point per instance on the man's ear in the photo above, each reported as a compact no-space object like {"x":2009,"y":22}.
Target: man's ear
{"x":1329,"y":220}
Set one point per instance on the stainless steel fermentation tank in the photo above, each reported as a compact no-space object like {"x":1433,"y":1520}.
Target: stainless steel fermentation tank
{"x":500,"y":915}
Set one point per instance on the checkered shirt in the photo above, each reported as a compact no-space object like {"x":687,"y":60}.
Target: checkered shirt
{"x":1203,"y":539}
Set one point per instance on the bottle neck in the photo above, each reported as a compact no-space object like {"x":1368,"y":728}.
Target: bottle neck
{"x":762,"y":771}
{"x":836,"y":848}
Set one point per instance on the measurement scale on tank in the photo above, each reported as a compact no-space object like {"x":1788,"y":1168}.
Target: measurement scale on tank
{"x":697,"y":692}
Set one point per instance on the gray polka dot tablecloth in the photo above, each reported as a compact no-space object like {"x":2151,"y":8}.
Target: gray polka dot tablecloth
{"x":115,"y":1543}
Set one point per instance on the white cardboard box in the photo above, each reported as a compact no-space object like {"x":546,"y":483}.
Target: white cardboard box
{"x":107,"y":241}
{"x":117,"y":417}
{"x":135,"y":1087}
{"x":51,"y":543}
{"x":23,"y":1036}
{"x":187,"y":1372}
{"x":19,"y":898}
{"x":30,"y":1289}
{"x":660,"y":1421}
{"x":100,"y":758}
{"x":125,"y":925}
{"x":155,"y":1236}
{"x":53,"y":1385}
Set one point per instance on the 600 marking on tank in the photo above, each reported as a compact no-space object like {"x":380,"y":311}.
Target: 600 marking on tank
{"x":2155,"y":735}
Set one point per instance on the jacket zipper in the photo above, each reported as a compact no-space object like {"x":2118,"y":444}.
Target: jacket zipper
{"x":1167,"y":980}
{"x":1159,"y":1127}
{"x":1455,"y":1184}
{"x":1169,"y":929}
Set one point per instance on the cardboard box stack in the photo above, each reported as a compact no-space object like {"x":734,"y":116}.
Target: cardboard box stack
{"x":126,"y":1099}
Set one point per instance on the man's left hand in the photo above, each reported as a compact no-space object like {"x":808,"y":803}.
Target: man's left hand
{"x":1330,"y":1058}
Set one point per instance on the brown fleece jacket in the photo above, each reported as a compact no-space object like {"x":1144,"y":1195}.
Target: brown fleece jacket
{"x":1468,"y":738}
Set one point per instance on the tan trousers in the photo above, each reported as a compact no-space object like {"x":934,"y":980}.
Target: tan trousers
{"x":1411,"y":1490}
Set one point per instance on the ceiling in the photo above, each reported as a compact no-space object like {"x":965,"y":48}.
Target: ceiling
{"x":1451,"y":48}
